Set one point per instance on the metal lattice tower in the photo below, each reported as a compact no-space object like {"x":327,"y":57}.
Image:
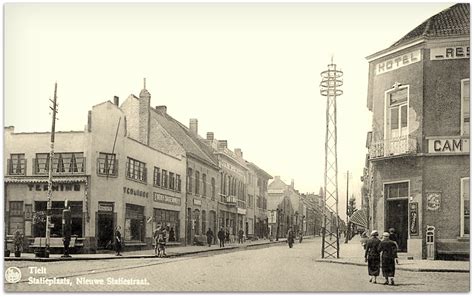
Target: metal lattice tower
{"x":330,"y":87}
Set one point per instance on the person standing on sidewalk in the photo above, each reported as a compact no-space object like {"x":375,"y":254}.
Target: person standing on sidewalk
{"x":290,"y":237}
{"x":221,"y":236}
{"x":210,"y":236}
{"x":372,"y":256}
{"x":156,"y":235}
{"x":118,"y":241}
{"x":241,"y":236}
{"x":389,"y":256}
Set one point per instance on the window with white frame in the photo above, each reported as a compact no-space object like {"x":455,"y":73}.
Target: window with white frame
{"x":465,"y":105}
{"x":136,"y":170}
{"x":465,"y":206}
{"x":396,"y":119}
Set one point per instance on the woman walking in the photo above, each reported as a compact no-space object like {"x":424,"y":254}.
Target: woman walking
{"x":118,"y":241}
{"x":372,"y":256}
{"x":389,"y":256}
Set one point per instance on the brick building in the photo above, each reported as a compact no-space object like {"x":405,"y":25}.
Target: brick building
{"x":417,"y":177}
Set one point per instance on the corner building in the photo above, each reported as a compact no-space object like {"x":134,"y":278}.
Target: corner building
{"x":418,"y":172}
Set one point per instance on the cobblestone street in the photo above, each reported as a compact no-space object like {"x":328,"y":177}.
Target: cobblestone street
{"x":274,"y":268}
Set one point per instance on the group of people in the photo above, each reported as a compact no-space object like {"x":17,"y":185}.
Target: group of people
{"x":382,"y":252}
{"x":160,"y":236}
{"x":290,"y":237}
{"x":223,"y":236}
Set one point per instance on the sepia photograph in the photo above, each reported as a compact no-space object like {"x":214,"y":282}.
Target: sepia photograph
{"x":236,"y":147}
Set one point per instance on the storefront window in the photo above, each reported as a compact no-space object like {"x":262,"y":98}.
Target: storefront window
{"x":465,"y":202}
{"x":134,"y":222}
{"x":170,"y":220}
{"x":17,"y":221}
{"x":57,"y":207}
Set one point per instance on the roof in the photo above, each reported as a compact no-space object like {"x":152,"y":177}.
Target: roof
{"x":453,"y":21}
{"x":191,"y":144}
{"x":259,"y":170}
{"x":274,"y":200}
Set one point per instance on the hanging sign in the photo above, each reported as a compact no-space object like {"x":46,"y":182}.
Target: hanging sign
{"x":433,"y":201}
{"x":413,"y":218}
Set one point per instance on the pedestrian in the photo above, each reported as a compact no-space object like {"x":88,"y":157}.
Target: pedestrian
{"x":290,"y":238}
{"x":118,"y":241}
{"x":372,"y":256}
{"x":210,"y":236}
{"x":388,"y":248}
{"x":227,"y":235}
{"x":241,"y":236}
{"x":161,"y":245}
{"x":363,"y":239}
{"x":393,"y":236}
{"x":221,"y":236}
{"x":156,"y":236}
{"x":172,"y":238}
{"x":300,"y":235}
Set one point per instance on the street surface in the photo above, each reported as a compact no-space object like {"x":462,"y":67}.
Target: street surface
{"x":274,"y":268}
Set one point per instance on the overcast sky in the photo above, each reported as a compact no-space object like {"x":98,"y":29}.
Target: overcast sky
{"x":250,"y":73}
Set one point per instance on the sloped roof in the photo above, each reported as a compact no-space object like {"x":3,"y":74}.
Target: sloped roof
{"x":453,"y":21}
{"x":274,"y":200}
{"x":191,"y":144}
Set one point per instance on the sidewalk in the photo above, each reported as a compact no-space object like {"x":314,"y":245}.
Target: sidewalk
{"x":352,"y":253}
{"x":172,"y":251}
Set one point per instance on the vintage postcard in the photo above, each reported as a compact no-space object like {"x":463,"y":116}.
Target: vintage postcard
{"x":236,"y":147}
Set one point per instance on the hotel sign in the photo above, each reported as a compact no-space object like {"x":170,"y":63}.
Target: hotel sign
{"x":449,"y":53}
{"x":448,"y":145}
{"x":398,"y":62}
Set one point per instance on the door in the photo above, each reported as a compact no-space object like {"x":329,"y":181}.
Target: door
{"x":397,"y":218}
{"x":105,"y":231}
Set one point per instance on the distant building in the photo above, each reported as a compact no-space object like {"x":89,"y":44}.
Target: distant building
{"x":417,"y":178}
{"x":257,"y":184}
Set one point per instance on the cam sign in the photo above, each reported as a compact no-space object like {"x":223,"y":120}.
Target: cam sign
{"x":448,"y":145}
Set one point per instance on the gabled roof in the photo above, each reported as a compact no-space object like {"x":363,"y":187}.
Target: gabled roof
{"x":191,"y":144}
{"x":453,"y":21}
{"x":274,"y":200}
{"x":259,"y":170}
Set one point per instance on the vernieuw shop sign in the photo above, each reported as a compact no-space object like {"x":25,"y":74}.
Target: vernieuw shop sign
{"x":448,"y":145}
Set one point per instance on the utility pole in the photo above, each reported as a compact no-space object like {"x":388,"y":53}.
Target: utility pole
{"x":50,"y":173}
{"x":331,"y":88}
{"x":347,"y":207}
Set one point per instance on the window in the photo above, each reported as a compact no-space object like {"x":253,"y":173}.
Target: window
{"x":170,"y":219}
{"x":16,"y":217}
{"x":62,"y":163}
{"x":134,"y":222}
{"x":189,"y":182}
{"x":172,"y":181}
{"x":213,"y":188}
{"x":17,"y":164}
{"x":465,"y":206}
{"x":465,"y":105}
{"x":398,"y":190}
{"x":107,"y":164}
{"x":196,"y":183}
{"x":164,"y":177}
{"x":204,"y":185}
{"x":204,"y":223}
{"x":156,"y":177}
{"x":397,"y":113}
{"x":57,"y":207}
{"x":136,"y":170}
{"x":178,"y":182}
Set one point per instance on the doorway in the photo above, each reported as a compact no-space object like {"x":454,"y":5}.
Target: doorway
{"x":105,"y":231}
{"x":397,"y":218}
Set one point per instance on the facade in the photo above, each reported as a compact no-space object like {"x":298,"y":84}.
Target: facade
{"x":281,"y":208}
{"x":417,"y":179}
{"x":313,"y":219}
{"x":257,"y":221}
{"x":105,"y":174}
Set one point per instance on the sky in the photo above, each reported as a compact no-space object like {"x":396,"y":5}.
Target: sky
{"x":248,"y":72}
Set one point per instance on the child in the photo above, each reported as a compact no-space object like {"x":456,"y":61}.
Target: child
{"x":161,"y":245}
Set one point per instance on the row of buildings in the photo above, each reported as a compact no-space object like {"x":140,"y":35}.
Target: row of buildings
{"x":417,"y":170}
{"x":136,"y":167}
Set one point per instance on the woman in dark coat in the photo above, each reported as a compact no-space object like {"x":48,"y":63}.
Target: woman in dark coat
{"x":389,"y":255}
{"x":372,"y":256}
{"x":118,"y":241}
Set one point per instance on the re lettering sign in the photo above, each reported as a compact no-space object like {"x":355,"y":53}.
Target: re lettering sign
{"x":398,"y":62}
{"x":450,"y":52}
{"x":448,"y":145}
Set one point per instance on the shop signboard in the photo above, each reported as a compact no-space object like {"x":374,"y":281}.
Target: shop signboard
{"x":448,"y":145}
{"x":413,"y":217}
{"x":105,"y":207}
{"x":398,"y":62}
{"x":450,"y":52}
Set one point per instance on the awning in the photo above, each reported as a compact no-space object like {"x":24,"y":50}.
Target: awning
{"x":41,"y":180}
{"x":359,"y":218}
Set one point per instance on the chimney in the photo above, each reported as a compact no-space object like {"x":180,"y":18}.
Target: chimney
{"x":292,"y":183}
{"x":89,"y":120}
{"x":210,"y":136}
{"x":238,"y":152}
{"x":222,"y":144}
{"x":193,"y":126}
{"x":116,"y":100}
{"x":161,"y":109}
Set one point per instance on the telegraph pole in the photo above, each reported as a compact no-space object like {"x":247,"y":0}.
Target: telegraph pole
{"x":347,"y":208}
{"x":50,"y":173}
